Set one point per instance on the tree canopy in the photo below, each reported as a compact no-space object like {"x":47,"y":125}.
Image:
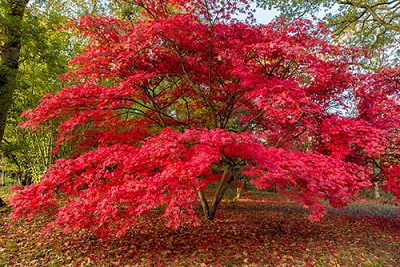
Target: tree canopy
{"x":159,"y":109}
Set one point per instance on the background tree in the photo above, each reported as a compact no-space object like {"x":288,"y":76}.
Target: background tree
{"x":11,"y":31}
{"x":46,"y":47}
{"x":44,"y":55}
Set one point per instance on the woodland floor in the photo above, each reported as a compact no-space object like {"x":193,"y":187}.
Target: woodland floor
{"x":259,"y":230}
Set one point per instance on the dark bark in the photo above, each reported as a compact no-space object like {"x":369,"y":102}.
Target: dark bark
{"x":9,"y":58}
{"x":2,"y":203}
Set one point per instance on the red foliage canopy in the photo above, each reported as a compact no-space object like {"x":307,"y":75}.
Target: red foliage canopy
{"x":160,"y":108}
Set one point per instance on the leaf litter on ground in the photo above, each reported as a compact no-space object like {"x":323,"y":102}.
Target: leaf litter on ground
{"x":259,"y":230}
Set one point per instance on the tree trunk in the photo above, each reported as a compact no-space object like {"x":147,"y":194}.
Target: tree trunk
{"x":238,"y":194}
{"x":209,"y":210}
{"x":376,"y":171}
{"x":9,"y":58}
{"x":204,"y":203}
{"x":3,"y":178}
{"x":377,"y":195}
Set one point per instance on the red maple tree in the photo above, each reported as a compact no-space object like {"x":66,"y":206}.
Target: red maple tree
{"x":161,"y":108}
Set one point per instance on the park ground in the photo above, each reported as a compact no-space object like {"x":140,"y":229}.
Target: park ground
{"x":261,"y":229}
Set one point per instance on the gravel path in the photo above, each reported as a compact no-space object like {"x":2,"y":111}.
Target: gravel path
{"x":368,"y":209}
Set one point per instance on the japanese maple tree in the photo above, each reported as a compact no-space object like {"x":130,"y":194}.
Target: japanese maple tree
{"x":369,"y":137}
{"x":161,"y":108}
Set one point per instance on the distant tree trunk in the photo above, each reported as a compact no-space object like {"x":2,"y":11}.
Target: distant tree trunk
{"x":9,"y":53}
{"x":238,"y":194}
{"x":3,"y":178}
{"x":376,"y":171}
{"x":377,"y":194}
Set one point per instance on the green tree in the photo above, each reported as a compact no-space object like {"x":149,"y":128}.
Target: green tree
{"x":12,"y":12}
{"x":45,"y":49}
{"x":43,"y":57}
{"x":44,"y":54}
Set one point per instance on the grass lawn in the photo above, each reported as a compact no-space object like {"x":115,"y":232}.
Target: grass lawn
{"x":259,"y":230}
